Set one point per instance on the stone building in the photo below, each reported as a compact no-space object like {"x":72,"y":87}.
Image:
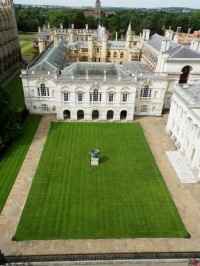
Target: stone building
{"x":10,"y":53}
{"x":146,"y":69}
{"x":98,"y":9}
{"x":183,"y":126}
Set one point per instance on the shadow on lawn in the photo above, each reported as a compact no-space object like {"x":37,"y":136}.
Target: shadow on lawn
{"x":104,"y":159}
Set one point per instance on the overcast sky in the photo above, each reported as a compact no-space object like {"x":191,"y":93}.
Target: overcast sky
{"x":122,"y":3}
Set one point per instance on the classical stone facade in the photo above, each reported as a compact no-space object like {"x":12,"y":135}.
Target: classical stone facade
{"x":184,"y":123}
{"x":10,"y":54}
{"x":151,"y":67}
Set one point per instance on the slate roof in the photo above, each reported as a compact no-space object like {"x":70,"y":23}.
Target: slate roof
{"x":193,"y":91}
{"x":52,"y":58}
{"x":137,"y":67}
{"x":155,"y":41}
{"x":176,"y":51}
{"x":183,"y":53}
{"x":117,"y":43}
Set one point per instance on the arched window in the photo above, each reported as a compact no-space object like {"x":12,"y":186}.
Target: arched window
{"x":43,"y":91}
{"x":121,"y":55}
{"x":143,"y":109}
{"x":185,"y":74}
{"x":45,"y":108}
{"x":145,"y":92}
{"x":109,"y":54}
{"x":115,"y":54}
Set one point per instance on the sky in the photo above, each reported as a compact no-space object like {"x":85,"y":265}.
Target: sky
{"x":117,"y":3}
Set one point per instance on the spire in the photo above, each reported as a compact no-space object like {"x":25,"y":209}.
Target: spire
{"x":129,"y":31}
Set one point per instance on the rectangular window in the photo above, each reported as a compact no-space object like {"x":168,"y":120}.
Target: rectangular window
{"x":38,"y":91}
{"x":80,"y":97}
{"x":100,"y":97}
{"x":84,"y":50}
{"x":110,"y":97}
{"x":44,"y":92}
{"x":90,"y":97}
{"x":125,"y":97}
{"x":66,"y":97}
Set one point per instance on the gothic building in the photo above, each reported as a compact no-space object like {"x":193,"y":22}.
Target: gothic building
{"x":10,"y":54}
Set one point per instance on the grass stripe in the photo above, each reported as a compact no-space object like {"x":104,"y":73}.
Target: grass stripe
{"x":13,"y":159}
{"x":124,"y":197}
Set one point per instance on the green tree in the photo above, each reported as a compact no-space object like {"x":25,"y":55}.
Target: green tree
{"x":9,"y":121}
{"x":56,"y":17}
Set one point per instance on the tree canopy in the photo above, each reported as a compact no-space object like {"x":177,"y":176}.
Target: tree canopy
{"x":9,"y":121}
{"x":30,"y":18}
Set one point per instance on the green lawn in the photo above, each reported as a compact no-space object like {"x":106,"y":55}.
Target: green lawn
{"x":124,"y":197}
{"x":26,"y":43}
{"x":13,"y":85}
{"x":14,"y":157}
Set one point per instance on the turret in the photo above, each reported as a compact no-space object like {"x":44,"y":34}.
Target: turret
{"x":104,"y":49}
{"x":90,"y":49}
{"x":98,"y":9}
{"x":169,"y":34}
{"x":128,"y":36}
{"x":41,"y":44}
{"x":146,"y":35}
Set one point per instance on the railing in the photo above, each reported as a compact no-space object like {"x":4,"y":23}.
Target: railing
{"x":191,"y":257}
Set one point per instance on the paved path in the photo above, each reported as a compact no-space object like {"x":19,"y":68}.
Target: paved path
{"x":186,"y":197}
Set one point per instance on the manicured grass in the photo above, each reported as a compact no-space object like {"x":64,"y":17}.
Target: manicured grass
{"x":13,"y":85}
{"x":29,"y":36}
{"x":28,"y":49}
{"x":124,"y":197}
{"x":26,"y":43}
{"x":14,"y":157}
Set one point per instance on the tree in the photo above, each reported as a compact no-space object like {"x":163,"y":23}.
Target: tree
{"x":56,"y":17}
{"x":9,"y":121}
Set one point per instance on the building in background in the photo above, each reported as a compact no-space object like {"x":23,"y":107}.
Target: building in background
{"x":10,"y":53}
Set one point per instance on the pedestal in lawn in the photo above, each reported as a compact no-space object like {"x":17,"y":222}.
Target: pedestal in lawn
{"x":94,"y":154}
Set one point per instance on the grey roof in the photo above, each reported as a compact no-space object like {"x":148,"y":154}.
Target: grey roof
{"x":117,"y":43}
{"x":94,"y":69}
{"x":193,"y":91}
{"x":52,"y":58}
{"x":137,"y":67}
{"x":182,"y":52}
{"x":155,"y":41}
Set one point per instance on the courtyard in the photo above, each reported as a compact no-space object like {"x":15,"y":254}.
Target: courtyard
{"x":124,"y":197}
{"x":185,"y":196}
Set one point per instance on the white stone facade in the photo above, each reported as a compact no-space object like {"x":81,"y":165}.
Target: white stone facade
{"x":100,"y":95}
{"x":184,"y":124}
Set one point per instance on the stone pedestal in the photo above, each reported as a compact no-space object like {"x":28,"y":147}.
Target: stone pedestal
{"x":95,"y":162}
